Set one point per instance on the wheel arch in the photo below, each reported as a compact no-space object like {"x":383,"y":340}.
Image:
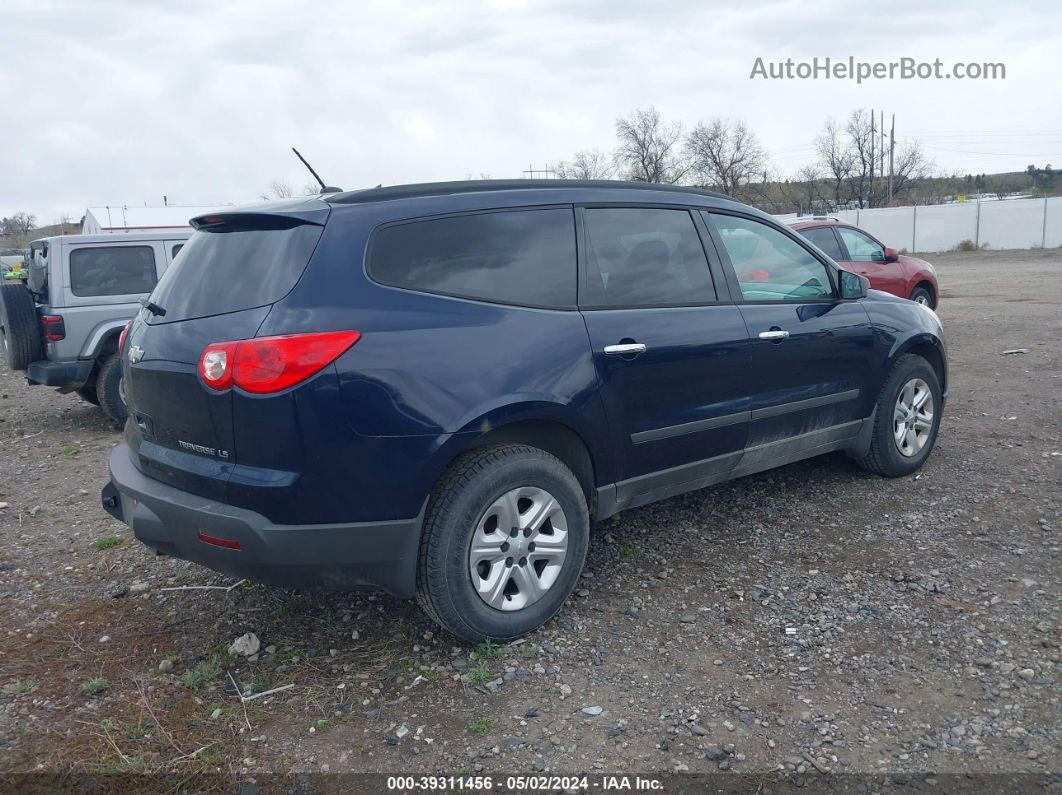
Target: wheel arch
{"x":929,"y":348}
{"x":922,"y":281}
{"x":103,"y":340}
{"x":549,"y":429}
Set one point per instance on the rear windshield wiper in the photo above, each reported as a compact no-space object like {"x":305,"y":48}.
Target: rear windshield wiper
{"x":151,"y":307}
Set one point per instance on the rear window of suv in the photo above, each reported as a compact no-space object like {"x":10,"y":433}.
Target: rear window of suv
{"x":521,"y":257}
{"x":241,"y":263}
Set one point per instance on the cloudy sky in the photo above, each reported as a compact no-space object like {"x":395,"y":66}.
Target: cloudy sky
{"x":112,"y":102}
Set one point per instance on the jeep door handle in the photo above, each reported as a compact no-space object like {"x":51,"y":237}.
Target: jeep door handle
{"x":774,"y":334}
{"x":625,"y":349}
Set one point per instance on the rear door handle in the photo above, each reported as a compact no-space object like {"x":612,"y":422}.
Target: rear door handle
{"x":625,"y":349}
{"x":775,"y":334}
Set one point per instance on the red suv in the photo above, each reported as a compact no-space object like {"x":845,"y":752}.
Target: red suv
{"x":856,"y":251}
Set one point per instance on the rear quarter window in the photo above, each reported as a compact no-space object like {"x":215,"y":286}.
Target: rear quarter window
{"x":112,"y":270}
{"x":521,"y":257}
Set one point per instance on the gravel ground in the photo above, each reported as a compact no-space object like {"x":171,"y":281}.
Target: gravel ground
{"x":806,"y":622}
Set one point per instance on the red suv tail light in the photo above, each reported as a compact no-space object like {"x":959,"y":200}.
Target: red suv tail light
{"x":123,"y":335}
{"x":53,"y":327}
{"x":271,"y":364}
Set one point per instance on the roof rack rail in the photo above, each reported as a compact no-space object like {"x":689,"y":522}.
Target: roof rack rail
{"x":478,"y":185}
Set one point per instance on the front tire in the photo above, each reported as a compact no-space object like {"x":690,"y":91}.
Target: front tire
{"x":504,"y":542}
{"x":922,"y":295}
{"x":906,"y":419}
{"x":109,"y":389}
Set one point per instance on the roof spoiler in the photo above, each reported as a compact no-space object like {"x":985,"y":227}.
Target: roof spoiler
{"x":305,"y":211}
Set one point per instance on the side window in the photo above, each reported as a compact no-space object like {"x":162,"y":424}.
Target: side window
{"x":771,"y":266}
{"x":176,"y":248}
{"x":824,"y":238}
{"x":860,"y":247}
{"x":112,"y":270}
{"x":523,"y":257}
{"x":644,"y":257}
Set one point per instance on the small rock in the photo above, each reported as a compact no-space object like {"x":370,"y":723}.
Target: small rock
{"x":1032,"y":755}
{"x":139,"y":587}
{"x":215,"y":714}
{"x":245,"y":645}
{"x":166,"y":666}
{"x":1027,"y":674}
{"x":699,"y":730}
{"x":565,"y":691}
{"x":688,"y":618}
{"x":3,"y":505}
{"x":401,"y":731}
{"x":105,"y":638}
{"x":592,"y":711}
{"x":715,"y":753}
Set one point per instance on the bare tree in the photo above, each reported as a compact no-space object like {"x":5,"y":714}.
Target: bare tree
{"x":859,"y":133}
{"x":909,"y":166}
{"x":277,"y":190}
{"x":648,"y":149}
{"x":587,"y":164}
{"x":804,"y":191}
{"x":18,"y":225}
{"x":726,"y":156}
{"x":838,"y":160}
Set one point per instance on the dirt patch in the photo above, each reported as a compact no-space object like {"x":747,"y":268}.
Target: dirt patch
{"x":901,"y":627}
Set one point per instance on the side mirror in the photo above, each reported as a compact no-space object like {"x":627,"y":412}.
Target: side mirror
{"x":853,"y":285}
{"x":891,"y":254}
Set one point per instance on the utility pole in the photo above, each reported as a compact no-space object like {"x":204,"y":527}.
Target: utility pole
{"x":892,"y":147}
{"x":881,"y":132}
{"x":870,"y":193}
{"x":546,"y":172}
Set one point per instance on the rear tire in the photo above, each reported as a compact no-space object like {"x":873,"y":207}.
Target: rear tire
{"x":906,"y":419}
{"x":504,"y":499}
{"x":109,"y":389}
{"x":922,"y":295}
{"x":21,"y":326}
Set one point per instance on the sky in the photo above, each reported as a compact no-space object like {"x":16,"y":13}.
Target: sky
{"x":114,"y":102}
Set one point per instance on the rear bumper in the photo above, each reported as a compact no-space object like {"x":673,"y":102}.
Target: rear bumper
{"x":376,"y":555}
{"x":48,"y":373}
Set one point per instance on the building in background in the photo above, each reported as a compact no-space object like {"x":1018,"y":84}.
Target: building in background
{"x":121,"y":219}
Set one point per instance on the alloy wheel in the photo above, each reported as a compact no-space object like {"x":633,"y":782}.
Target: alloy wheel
{"x":912,"y":419}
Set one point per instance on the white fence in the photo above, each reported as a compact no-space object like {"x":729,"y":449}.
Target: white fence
{"x":1012,"y":223}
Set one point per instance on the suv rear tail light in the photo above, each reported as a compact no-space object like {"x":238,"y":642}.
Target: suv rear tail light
{"x":54,"y":327}
{"x":123,"y":335}
{"x":271,"y":364}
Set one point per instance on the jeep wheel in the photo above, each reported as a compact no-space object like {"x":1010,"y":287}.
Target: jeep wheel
{"x":906,"y":419}
{"x":20,"y":327}
{"x":109,"y":389}
{"x":503,"y":544}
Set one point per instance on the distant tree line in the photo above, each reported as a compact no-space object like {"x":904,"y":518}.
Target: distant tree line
{"x":17,"y":226}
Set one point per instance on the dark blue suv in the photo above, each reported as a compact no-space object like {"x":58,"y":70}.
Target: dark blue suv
{"x":436,"y":389}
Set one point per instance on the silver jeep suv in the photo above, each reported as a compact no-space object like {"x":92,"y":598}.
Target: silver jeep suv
{"x":62,"y":322}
